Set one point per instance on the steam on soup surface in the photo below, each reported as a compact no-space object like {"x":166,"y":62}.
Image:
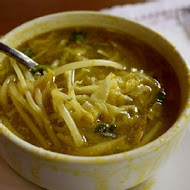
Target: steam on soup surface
{"x":99,"y":92}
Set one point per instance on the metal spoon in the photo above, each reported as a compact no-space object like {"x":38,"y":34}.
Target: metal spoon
{"x":19,"y":56}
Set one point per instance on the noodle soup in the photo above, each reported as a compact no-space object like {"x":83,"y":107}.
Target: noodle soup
{"x":96,"y":92}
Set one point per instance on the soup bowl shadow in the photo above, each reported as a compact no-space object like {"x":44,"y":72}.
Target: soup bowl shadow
{"x":121,"y":171}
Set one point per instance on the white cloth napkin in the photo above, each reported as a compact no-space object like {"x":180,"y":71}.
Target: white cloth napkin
{"x":166,"y":17}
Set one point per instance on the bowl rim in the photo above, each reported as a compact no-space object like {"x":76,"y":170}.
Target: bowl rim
{"x":179,"y":124}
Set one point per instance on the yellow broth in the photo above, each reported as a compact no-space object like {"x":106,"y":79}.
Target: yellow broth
{"x":142,"y":100}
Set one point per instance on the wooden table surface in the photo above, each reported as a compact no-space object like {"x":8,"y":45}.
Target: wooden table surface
{"x":16,"y":12}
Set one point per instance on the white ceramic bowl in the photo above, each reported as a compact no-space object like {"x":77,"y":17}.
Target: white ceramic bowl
{"x":115,"y":172}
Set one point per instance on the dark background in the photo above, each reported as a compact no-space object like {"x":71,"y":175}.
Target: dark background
{"x":16,"y":12}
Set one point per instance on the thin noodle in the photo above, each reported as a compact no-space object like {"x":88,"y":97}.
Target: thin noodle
{"x":48,"y":127}
{"x":44,"y":80}
{"x":75,"y":105}
{"x":4,"y":91}
{"x":103,"y":147}
{"x":69,"y":76}
{"x":90,"y":89}
{"x":18,"y":96}
{"x":28,"y":75}
{"x":19,"y":74}
{"x":12,"y":112}
{"x":64,"y":113}
{"x":31,"y":102}
{"x":87,"y":63}
{"x":152,"y":134}
{"x":71,"y":125}
{"x":38,"y":98}
{"x":51,"y":133}
{"x":29,"y":123}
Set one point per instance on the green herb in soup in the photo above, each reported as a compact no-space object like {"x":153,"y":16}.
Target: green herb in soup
{"x":106,"y":129}
{"x":28,"y":52}
{"x":97,"y":92}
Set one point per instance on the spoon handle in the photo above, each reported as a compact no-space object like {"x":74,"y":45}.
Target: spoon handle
{"x":19,"y":56}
